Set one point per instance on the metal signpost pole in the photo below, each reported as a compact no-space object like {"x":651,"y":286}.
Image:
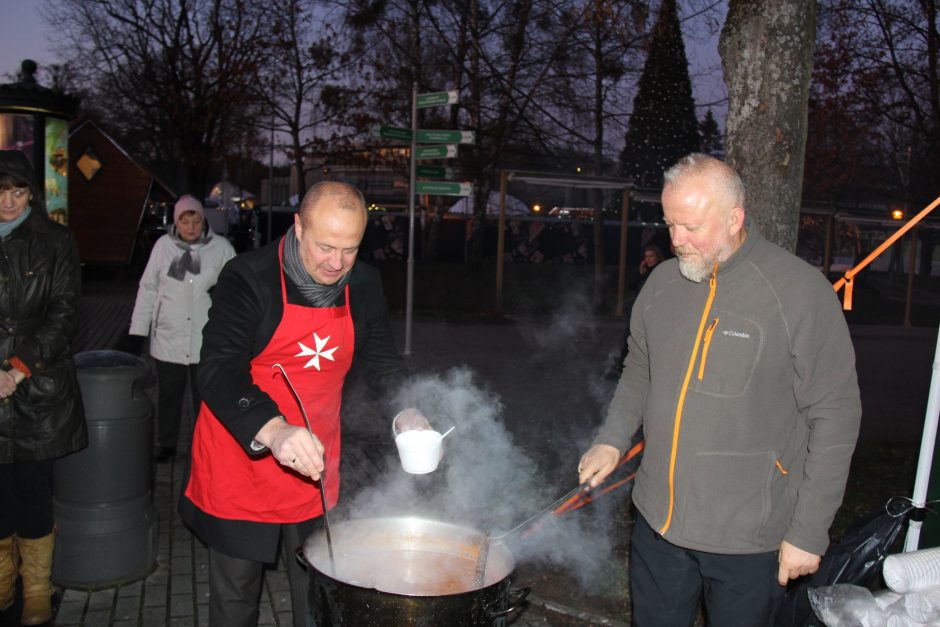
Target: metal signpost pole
{"x":409,"y":287}
{"x":448,"y":151}
{"x":270,"y":183}
{"x":501,"y":239}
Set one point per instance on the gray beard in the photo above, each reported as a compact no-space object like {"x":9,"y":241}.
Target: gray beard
{"x":701,"y":270}
{"x":695,"y":272}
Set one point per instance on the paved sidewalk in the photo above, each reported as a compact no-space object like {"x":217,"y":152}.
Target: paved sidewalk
{"x":177,"y":592}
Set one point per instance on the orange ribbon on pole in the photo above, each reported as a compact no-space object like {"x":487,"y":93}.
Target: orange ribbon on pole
{"x":850,"y":274}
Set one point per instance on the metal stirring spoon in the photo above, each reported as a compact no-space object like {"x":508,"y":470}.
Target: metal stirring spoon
{"x":479,"y":575}
{"x":326,"y":518}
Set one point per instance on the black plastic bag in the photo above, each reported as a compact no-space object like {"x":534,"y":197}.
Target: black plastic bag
{"x":856,"y":559}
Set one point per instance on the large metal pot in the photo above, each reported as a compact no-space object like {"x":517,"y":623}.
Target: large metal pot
{"x":407,"y":571}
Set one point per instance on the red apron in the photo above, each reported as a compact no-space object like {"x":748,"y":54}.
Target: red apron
{"x":315,"y":346}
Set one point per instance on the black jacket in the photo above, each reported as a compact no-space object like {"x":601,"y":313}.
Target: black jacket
{"x":40,"y":282}
{"x":246,"y":310}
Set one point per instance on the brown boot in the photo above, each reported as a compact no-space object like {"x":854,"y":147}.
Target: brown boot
{"x":7,"y":572}
{"x":36,"y":568}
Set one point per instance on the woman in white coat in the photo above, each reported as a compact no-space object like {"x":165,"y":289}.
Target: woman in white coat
{"x":172,"y":307}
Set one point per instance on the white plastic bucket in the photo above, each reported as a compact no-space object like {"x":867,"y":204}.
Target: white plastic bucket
{"x":420,"y":450}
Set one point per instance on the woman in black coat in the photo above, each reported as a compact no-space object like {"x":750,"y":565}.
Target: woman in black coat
{"x":41,"y":414}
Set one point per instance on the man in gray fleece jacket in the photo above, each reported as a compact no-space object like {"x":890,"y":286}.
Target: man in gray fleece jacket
{"x":741,"y":372}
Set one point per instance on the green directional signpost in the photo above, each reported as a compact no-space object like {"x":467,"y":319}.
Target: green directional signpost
{"x":444,"y":188}
{"x":426,"y":136}
{"x":444,"y":151}
{"x":395,"y":132}
{"x":434,"y":172}
{"x":444,"y":146}
{"x":436,"y":99}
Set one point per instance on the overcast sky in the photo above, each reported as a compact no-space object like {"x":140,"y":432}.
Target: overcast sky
{"x":24,"y":35}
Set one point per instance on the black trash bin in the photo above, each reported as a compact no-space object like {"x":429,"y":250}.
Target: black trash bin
{"x":106,"y":523}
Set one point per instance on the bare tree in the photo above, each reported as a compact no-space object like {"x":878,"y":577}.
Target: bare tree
{"x":394,"y":45}
{"x":510,"y":56}
{"x":881,"y":61}
{"x":174,"y":77}
{"x":844,"y":135}
{"x":404,"y":42}
{"x":602,"y":44}
{"x":315,"y":85}
{"x":767,"y":55}
{"x":497,"y":54}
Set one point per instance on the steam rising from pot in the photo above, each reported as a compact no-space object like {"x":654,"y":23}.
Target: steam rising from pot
{"x":486,"y":479}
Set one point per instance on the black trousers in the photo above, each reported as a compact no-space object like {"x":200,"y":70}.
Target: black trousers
{"x":667,"y":583}
{"x":235,"y":584}
{"x":171,"y":382}
{"x":26,"y":499}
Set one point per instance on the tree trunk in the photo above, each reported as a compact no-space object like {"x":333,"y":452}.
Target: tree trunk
{"x":766,"y":52}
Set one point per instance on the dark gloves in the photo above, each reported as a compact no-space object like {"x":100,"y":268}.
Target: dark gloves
{"x":133,"y":344}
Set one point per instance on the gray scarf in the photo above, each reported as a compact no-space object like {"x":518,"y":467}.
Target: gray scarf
{"x":189,"y":260}
{"x":315,"y":294}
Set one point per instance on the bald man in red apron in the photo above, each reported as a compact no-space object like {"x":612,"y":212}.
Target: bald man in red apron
{"x":302,"y":304}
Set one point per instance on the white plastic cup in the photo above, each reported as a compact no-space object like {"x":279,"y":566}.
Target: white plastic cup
{"x":420,"y":450}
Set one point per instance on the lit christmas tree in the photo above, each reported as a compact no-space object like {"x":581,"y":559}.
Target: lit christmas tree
{"x":663,"y":126}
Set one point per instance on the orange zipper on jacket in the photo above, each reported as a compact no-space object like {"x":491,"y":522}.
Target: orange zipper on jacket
{"x":712,"y":284}
{"x":705,"y":344}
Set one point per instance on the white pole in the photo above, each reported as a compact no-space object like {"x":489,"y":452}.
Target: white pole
{"x":409,"y":288}
{"x":925,"y":459}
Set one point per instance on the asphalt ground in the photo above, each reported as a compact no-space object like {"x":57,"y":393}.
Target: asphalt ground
{"x":542,"y":380}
